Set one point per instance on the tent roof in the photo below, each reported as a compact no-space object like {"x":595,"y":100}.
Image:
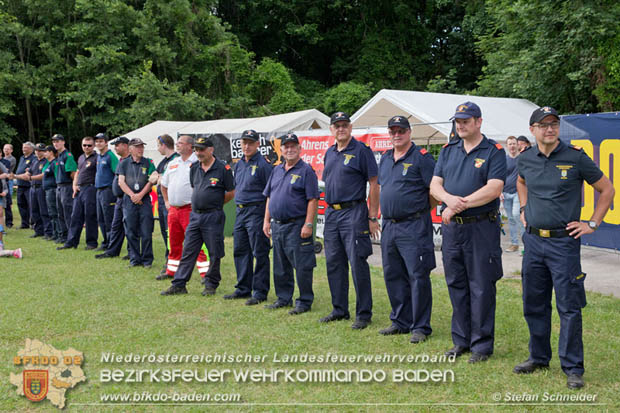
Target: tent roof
{"x":502,"y":117}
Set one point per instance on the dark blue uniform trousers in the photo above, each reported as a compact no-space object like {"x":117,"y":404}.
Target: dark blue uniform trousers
{"x":23,"y":205}
{"x":250,"y":242}
{"x":408,"y":258}
{"x":290,"y":251}
{"x":84,"y":213}
{"x":106,"y":201}
{"x":64,"y":204}
{"x":38,"y":211}
{"x":554,"y":263}
{"x":139,"y":229}
{"x":8,"y":211}
{"x":208,"y":229}
{"x":162,"y":214}
{"x":52,"y":211}
{"x":116,"y":235}
{"x":472,"y":264}
{"x":347,"y":240}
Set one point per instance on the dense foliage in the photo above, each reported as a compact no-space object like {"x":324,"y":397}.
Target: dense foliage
{"x":78,"y":67}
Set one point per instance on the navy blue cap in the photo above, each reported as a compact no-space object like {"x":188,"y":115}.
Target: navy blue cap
{"x":120,"y":139}
{"x":467,"y":110}
{"x":290,"y":137}
{"x":339,"y":117}
{"x":58,"y":137}
{"x":401,"y":121}
{"x":541,"y":113}
{"x":50,"y":148}
{"x":202,"y":142}
{"x":40,"y":147}
{"x":101,"y":135}
{"x":250,"y":134}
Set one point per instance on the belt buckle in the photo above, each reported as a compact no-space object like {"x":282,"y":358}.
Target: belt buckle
{"x":458,"y":220}
{"x":545,"y":233}
{"x":336,"y":207}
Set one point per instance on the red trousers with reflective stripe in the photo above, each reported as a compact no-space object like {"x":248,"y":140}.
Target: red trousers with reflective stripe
{"x":178,"y":218}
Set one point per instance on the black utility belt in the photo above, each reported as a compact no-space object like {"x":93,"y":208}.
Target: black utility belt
{"x":103,"y":187}
{"x":85,"y":185}
{"x":288,"y":221}
{"x":411,"y":217}
{"x":206,"y":211}
{"x":491,"y":216}
{"x":345,"y":205}
{"x":249,"y":204}
{"x":64,"y":183}
{"x":548,"y":233}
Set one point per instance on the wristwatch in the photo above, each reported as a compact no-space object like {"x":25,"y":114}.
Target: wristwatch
{"x":373,"y":219}
{"x":308,"y":224}
{"x":592,"y":224}
{"x":522,"y":209}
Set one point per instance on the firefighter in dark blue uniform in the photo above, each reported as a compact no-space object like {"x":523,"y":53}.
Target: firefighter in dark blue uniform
{"x":349,"y":165}
{"x":84,"y":212}
{"x":250,"y":243}
{"x":469,"y":178}
{"x":107,"y":163}
{"x":407,"y":249}
{"x":38,"y":207}
{"x":117,"y":229}
{"x":65,"y":171}
{"x":292,"y":197}
{"x":23,"y":185}
{"x":550,"y":181}
{"x":133,"y":179}
{"x":49,"y":187}
{"x":213,"y":186}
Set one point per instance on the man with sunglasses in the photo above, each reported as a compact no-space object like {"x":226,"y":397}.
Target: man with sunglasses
{"x":407,"y":249}
{"x":107,"y":162}
{"x":550,"y":182}
{"x":84,"y":209}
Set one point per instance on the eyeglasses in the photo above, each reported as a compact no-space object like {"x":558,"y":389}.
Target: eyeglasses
{"x":398,"y":131}
{"x":341,"y":125}
{"x":86,"y":145}
{"x":544,"y":126}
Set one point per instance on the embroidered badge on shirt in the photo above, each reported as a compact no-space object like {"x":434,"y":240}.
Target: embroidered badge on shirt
{"x":405,"y":167}
{"x":253,"y":169}
{"x":214,"y":181}
{"x":294,"y":178}
{"x":347,"y":158}
{"x":564,"y":170}
{"x":478,"y":162}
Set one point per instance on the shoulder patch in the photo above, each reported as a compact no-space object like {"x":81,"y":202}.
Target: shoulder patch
{"x":227,"y":167}
{"x":498,"y":146}
{"x":423,"y":151}
{"x":446,"y":145}
{"x":575,"y":147}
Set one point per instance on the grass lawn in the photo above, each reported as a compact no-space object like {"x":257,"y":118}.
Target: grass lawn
{"x":69,"y":299}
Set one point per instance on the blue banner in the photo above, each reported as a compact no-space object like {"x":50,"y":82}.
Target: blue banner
{"x":599,"y":135}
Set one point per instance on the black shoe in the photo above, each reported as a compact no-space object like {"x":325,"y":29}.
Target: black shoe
{"x":126,"y":257}
{"x":298,"y":310}
{"x":477,"y":357}
{"x":529,"y":366}
{"x":163,"y":272}
{"x":235,"y":296}
{"x":574,"y":381}
{"x":23,"y":227}
{"x":133,"y":265}
{"x":35,"y":235}
{"x":90,"y":247}
{"x":360,"y":324}
{"x":48,"y":238}
{"x":174,"y":290}
{"x":417,"y":337}
{"x":163,"y":276}
{"x":391,"y":330}
{"x":60,"y":241}
{"x":64,"y":247}
{"x":278,"y":304}
{"x":254,"y":301}
{"x":100,"y":248}
{"x":104,"y":255}
{"x":208,"y":291}
{"x":457,"y":351}
{"x":332,"y":317}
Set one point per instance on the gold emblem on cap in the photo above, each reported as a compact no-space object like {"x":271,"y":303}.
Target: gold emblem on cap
{"x":546,"y":109}
{"x":461,"y":108}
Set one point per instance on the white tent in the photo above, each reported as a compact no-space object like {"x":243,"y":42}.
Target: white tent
{"x":430,"y":113}
{"x":302,"y":120}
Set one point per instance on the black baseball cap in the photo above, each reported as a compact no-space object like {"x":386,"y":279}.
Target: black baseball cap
{"x":101,"y":135}
{"x":49,"y":148}
{"x":290,"y":137}
{"x":523,"y":139}
{"x":250,"y":134}
{"x":40,"y":147}
{"x":401,"y":121}
{"x":202,"y":143}
{"x":467,"y":110}
{"x":136,"y":142}
{"x":339,"y":117}
{"x":120,"y":139}
{"x":541,"y":113}
{"x":58,"y":137}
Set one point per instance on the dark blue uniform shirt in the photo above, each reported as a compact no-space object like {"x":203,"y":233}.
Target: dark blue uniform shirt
{"x":210,"y":186}
{"x":49,"y":179}
{"x":36,"y":168}
{"x":289,"y":191}
{"x":464,"y":173}
{"x":346,"y":172}
{"x":405,"y":183}
{"x":251,"y":178}
{"x":106,"y":165}
{"x":511,"y":175}
{"x":87,"y":167}
{"x":136,"y":173}
{"x":25,"y":163}
{"x":554,"y":184}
